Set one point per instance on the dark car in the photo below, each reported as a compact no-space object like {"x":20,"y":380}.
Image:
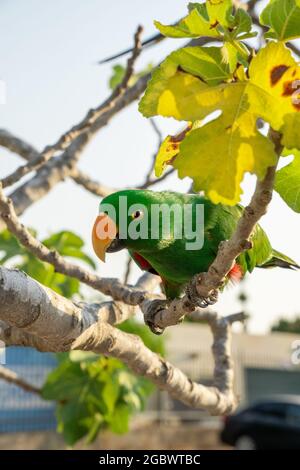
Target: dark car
{"x":268,"y":424}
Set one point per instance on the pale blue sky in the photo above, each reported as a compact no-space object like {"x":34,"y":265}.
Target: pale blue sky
{"x":48,"y":55}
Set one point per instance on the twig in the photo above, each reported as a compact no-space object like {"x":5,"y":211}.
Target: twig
{"x":160,"y":139}
{"x":128,"y":269}
{"x":155,"y":39}
{"x":155,"y":181}
{"x":157,"y":131}
{"x":55,"y":171}
{"x":90,"y":185}
{"x":11,"y":377}
{"x":51,"y":174}
{"x":64,"y":141}
{"x":17,"y":145}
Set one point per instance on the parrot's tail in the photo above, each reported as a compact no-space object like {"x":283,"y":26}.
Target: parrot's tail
{"x":281,"y":261}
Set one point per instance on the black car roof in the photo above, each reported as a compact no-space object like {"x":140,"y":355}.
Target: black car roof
{"x":282,"y":399}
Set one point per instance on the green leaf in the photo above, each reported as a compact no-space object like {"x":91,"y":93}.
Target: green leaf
{"x":71,"y":421}
{"x":287,"y":182}
{"x":119,"y":72}
{"x":93,"y":424}
{"x":117,"y":76}
{"x":9,"y":247}
{"x":217,"y":155}
{"x":65,"y":242}
{"x":94,"y":393}
{"x":242,"y":23}
{"x":204,"y":62}
{"x":69,"y":244}
{"x":110,"y":393}
{"x":62,"y":239}
{"x":283,"y":19}
{"x":201,"y":7}
{"x":65,"y":382}
{"x":120,"y":419}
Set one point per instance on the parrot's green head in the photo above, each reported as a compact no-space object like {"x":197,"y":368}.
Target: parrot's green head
{"x":132,"y":219}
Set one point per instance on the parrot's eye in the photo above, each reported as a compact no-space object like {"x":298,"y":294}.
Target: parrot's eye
{"x":137,"y":214}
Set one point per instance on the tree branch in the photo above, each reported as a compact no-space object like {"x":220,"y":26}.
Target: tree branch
{"x":17,"y":145}
{"x":54,"y":172}
{"x":68,"y":137}
{"x":60,"y":325}
{"x":90,"y":185}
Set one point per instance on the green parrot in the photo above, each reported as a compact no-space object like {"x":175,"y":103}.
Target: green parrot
{"x":167,"y":254}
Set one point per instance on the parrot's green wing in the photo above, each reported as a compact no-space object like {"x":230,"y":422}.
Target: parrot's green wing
{"x":280,"y":260}
{"x":171,"y":289}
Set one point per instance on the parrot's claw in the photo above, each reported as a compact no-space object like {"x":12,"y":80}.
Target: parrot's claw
{"x":154,"y":308}
{"x":193,"y":296}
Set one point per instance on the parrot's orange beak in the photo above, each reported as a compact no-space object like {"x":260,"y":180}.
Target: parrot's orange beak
{"x":104,"y":233}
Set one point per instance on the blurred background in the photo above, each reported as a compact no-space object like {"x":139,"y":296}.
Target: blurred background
{"x":48,"y":61}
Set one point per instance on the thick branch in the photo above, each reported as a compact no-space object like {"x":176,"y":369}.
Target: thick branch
{"x":60,"y":325}
{"x":109,"y":312}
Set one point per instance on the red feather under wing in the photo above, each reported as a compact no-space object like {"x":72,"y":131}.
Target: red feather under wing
{"x":236,"y":273}
{"x":143,"y":263}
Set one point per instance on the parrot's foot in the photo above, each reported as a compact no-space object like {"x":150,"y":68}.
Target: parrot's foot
{"x":193,"y":296}
{"x":154,"y":308}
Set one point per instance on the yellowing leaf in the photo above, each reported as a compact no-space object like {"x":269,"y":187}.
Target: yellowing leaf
{"x":219,"y":11}
{"x":211,"y":19}
{"x":191,"y":26}
{"x":170,"y":148}
{"x":169,"y":82}
{"x":218,"y":154}
{"x":291,"y":131}
{"x":274,"y":75}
